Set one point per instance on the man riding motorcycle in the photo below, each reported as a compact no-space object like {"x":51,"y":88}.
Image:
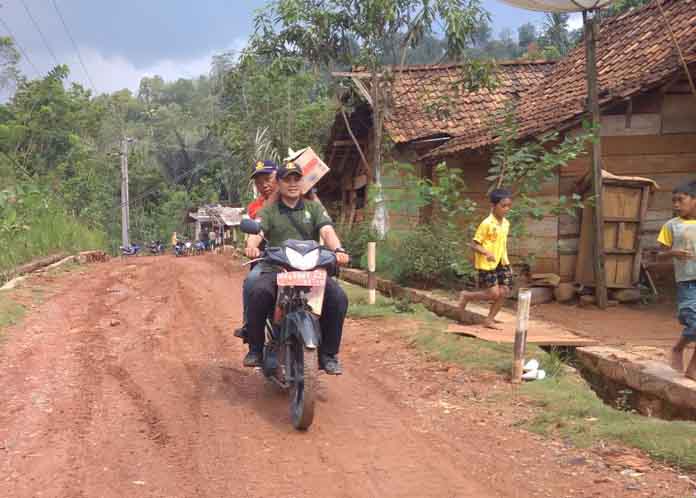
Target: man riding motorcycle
{"x":292,"y":217}
{"x":264,"y":177}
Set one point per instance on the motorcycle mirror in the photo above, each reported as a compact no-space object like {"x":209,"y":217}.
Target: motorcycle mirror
{"x":250,"y":226}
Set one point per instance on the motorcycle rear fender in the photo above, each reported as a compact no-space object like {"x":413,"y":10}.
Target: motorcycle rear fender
{"x":305,"y":326}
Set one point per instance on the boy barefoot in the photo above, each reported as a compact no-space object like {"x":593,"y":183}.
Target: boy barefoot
{"x":678,"y":239}
{"x":491,"y":258}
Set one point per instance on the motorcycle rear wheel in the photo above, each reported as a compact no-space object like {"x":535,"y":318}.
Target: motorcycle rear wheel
{"x":305,"y":372}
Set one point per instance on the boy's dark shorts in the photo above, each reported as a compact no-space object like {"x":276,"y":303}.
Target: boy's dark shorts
{"x":502,"y":275}
{"x":686,"y":302}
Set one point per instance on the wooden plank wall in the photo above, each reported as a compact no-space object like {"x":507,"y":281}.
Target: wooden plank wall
{"x":667,"y":159}
{"x":541,"y":244}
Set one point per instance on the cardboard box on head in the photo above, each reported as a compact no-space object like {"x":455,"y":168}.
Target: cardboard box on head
{"x":313,"y":168}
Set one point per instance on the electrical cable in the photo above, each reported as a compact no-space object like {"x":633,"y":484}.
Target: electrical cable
{"x":43,"y":37}
{"x":77,"y":50}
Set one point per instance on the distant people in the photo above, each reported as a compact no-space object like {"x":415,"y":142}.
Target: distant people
{"x":678,"y":240}
{"x":491,"y":258}
{"x":212,"y":239}
{"x":175,"y":239}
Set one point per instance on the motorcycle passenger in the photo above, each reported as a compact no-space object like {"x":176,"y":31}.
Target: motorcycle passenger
{"x":264,"y":177}
{"x":292,"y":217}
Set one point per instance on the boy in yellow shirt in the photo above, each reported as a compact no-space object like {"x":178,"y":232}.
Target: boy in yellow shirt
{"x":491,"y":258}
{"x":678,"y":239}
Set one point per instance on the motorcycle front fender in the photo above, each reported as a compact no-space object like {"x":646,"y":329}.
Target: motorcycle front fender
{"x":304,"y":326}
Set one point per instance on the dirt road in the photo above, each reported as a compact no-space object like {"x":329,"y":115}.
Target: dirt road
{"x":127,"y":382}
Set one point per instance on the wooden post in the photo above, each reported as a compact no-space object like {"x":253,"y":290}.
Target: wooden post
{"x":371,"y":269}
{"x":591,"y":29}
{"x":524,"y":298}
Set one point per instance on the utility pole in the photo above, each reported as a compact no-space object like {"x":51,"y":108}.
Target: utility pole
{"x":125,"y":213}
{"x":591,"y":29}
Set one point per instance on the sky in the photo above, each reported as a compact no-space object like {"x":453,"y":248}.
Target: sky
{"x":122,"y":41}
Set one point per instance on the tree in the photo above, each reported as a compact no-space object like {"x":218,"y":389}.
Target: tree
{"x":556,"y":39}
{"x":350,"y":33}
{"x":9,"y":60}
{"x":279,"y":101}
{"x":526,"y":35}
{"x":621,"y":6}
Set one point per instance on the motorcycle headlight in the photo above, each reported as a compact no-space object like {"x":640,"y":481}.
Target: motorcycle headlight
{"x":298,"y":261}
{"x":188,"y":244}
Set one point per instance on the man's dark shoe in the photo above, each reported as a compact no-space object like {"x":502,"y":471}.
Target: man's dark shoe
{"x":253,"y":359}
{"x":330,"y":365}
{"x":241,"y":333}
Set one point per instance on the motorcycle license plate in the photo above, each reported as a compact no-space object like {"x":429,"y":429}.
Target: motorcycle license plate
{"x":316,"y":278}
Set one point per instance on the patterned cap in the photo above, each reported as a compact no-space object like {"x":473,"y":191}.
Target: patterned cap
{"x":264,"y":168}
{"x":289,"y":168}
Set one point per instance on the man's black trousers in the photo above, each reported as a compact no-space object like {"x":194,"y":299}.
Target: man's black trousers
{"x":261,"y":304}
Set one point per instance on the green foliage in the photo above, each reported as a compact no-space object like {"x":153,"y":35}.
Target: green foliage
{"x":278,"y":102}
{"x":525,"y":167}
{"x":621,"y":6}
{"x":570,"y":409}
{"x":427,"y":255}
{"x":354,"y":33}
{"x":446,"y":255}
{"x":9,"y":60}
{"x":355,"y":239}
{"x":33,"y":223}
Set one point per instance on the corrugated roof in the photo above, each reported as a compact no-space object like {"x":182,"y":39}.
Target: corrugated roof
{"x":635,"y":54}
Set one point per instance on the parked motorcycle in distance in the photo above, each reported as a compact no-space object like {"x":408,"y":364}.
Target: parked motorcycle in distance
{"x":179,"y":248}
{"x":131,"y":250}
{"x":293,"y":335}
{"x":156,"y":247}
{"x":198,"y":247}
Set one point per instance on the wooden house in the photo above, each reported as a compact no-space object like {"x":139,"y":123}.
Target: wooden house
{"x":429,"y":106}
{"x":224,"y":220}
{"x":648,"y":126}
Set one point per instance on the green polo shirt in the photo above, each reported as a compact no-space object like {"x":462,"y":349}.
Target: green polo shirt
{"x":308,"y":215}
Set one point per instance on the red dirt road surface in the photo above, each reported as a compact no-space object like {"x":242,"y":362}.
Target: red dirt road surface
{"x":127,"y":382}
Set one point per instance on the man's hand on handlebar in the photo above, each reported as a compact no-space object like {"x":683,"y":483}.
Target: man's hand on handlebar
{"x":342,"y":258}
{"x":252,"y":252}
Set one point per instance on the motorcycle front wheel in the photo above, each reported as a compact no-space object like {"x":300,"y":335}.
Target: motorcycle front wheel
{"x":304,"y":372}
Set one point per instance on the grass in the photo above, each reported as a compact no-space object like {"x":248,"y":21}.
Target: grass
{"x":568,"y":408}
{"x":49,"y":232}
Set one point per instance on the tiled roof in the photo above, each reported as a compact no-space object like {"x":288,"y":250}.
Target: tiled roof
{"x":635,"y":54}
{"x":421,"y":91}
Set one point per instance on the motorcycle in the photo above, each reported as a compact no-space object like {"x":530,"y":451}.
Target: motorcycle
{"x":199,"y":247}
{"x":188,"y":248}
{"x":179,"y":248}
{"x":293,"y":335}
{"x":156,"y":247}
{"x":131,"y":250}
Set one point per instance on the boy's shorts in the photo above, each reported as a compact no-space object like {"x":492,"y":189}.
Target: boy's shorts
{"x":686,"y":304}
{"x":502,"y":275}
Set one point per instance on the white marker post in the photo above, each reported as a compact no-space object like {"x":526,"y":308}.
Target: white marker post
{"x":524,"y":299}
{"x":371,"y":269}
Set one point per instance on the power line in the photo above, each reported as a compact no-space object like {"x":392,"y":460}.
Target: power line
{"x":45,"y":41}
{"x":79,"y":56}
{"x":21,"y":49}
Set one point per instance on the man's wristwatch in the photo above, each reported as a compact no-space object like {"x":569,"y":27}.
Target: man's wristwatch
{"x":340,"y":249}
